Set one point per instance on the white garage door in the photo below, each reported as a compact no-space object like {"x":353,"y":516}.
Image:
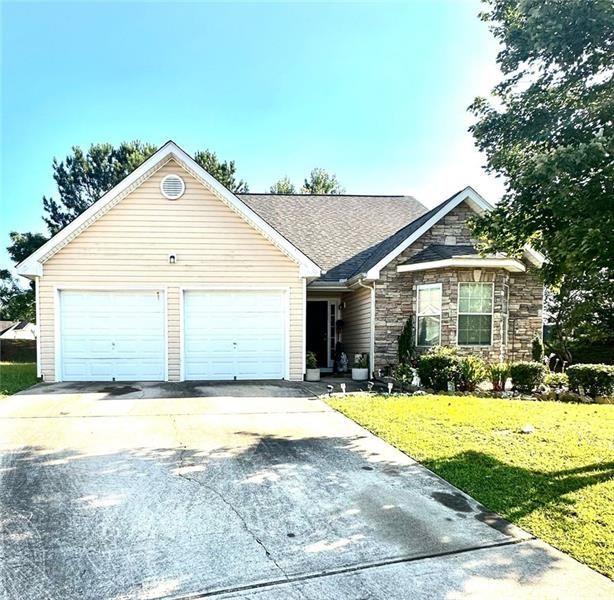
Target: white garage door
{"x":234,"y":334}
{"x":112,"y":335}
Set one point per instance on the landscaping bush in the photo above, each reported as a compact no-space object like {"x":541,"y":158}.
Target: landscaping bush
{"x":498,"y":374}
{"x":556,"y":380}
{"x":472,"y":373}
{"x":403,"y":373}
{"x":526,"y":376}
{"x":537,"y":349}
{"x":439,"y":366}
{"x":596,"y":380}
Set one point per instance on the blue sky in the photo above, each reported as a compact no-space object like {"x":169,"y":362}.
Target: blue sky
{"x":376,"y":93}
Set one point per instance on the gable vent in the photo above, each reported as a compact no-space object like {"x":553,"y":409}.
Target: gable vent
{"x":172,"y":187}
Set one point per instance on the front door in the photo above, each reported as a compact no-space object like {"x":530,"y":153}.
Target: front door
{"x":317,"y":330}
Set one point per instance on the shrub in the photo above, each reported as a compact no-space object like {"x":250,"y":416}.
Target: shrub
{"x":498,"y":374}
{"x":556,"y":380}
{"x":404,"y":374}
{"x":407,"y":342}
{"x":472,"y":373}
{"x":439,"y":366}
{"x":526,"y":376}
{"x":311,"y":360}
{"x":596,"y":380}
{"x":537,"y":349}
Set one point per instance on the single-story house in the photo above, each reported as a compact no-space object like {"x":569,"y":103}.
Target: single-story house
{"x":171,"y":276}
{"x":22,"y":330}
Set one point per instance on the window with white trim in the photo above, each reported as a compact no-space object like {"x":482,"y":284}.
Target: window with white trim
{"x":475,"y":309}
{"x":428,"y":310}
{"x":505,"y":314}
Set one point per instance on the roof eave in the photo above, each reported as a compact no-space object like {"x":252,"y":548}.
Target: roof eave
{"x":509,"y":264}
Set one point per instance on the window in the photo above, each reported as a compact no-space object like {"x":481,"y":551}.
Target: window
{"x":475,"y":314}
{"x":429,"y":315}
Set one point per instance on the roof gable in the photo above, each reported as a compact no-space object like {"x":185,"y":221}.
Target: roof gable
{"x":32,"y":266}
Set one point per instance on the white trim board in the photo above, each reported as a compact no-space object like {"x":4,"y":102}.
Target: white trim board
{"x":32,"y":265}
{"x":509,"y":264}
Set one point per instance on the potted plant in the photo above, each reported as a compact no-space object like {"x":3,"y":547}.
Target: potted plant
{"x":313,"y":372}
{"x":360,"y":369}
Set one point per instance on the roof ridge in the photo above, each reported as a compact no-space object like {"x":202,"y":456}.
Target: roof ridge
{"x":329,"y":195}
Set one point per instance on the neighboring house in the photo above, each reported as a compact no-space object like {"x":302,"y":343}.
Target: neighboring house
{"x":5,"y":325}
{"x":170,"y":276}
{"x":19,"y":331}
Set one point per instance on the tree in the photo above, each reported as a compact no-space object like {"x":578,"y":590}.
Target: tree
{"x":549,"y":133}
{"x":83,"y":177}
{"x":23,"y":244}
{"x":16,"y":304}
{"x":283,"y":186}
{"x":321,"y":182}
{"x":407,"y":342}
{"x":223,"y":171}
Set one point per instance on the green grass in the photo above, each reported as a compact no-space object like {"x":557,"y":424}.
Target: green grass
{"x":15,"y":377}
{"x":557,"y":483}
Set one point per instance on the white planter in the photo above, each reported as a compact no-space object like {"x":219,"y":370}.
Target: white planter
{"x":312,"y":375}
{"x":360,"y":374}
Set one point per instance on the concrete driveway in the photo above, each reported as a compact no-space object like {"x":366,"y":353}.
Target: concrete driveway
{"x":241,"y":491}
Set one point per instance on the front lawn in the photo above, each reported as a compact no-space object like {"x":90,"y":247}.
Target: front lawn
{"x":557,"y":482}
{"x":15,"y":377}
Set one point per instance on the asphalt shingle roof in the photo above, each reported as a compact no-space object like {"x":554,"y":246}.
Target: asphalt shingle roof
{"x":336,"y":231}
{"x":440,"y":252}
{"x":345,"y":235}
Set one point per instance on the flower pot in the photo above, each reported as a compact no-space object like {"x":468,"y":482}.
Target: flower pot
{"x":312,"y":375}
{"x":360,"y":374}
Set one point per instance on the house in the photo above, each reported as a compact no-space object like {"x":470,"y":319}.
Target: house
{"x":22,"y":330}
{"x":170,"y":276}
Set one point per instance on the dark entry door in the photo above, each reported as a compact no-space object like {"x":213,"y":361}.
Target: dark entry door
{"x":317,"y":332}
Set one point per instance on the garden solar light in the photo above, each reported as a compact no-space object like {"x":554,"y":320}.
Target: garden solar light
{"x":343,"y":388}
{"x":390,"y":387}
{"x":330,"y":389}
{"x":369,"y":386}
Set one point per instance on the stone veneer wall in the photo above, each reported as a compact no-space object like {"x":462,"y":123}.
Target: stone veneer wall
{"x":395,"y":298}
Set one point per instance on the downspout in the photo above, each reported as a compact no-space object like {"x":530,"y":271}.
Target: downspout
{"x":372,"y":332}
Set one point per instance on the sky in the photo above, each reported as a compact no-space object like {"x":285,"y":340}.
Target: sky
{"x":375,"y":92}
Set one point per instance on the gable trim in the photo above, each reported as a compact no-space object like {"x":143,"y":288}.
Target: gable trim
{"x":33,"y":264}
{"x":475,"y":201}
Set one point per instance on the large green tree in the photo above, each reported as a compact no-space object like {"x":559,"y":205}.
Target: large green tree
{"x":321,"y":181}
{"x":548,"y":131}
{"x":16,"y":304}
{"x":283,"y":186}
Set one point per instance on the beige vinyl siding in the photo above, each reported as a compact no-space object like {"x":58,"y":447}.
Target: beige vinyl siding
{"x":357,"y":323}
{"x":129,"y":247}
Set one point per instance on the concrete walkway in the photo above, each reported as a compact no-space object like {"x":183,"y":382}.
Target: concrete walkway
{"x":241,"y":491}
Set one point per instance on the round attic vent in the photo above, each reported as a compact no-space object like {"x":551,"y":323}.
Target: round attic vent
{"x":172,"y":187}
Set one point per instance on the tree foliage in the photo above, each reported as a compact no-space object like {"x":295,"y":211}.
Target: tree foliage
{"x":23,"y":244}
{"x":548,"y":130}
{"x":223,"y":171}
{"x":16,"y":304}
{"x":84,"y":176}
{"x":321,"y":181}
{"x":283,"y":186}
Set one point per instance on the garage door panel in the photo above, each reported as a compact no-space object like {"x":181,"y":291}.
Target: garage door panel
{"x":112,"y":335}
{"x":234,"y":334}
